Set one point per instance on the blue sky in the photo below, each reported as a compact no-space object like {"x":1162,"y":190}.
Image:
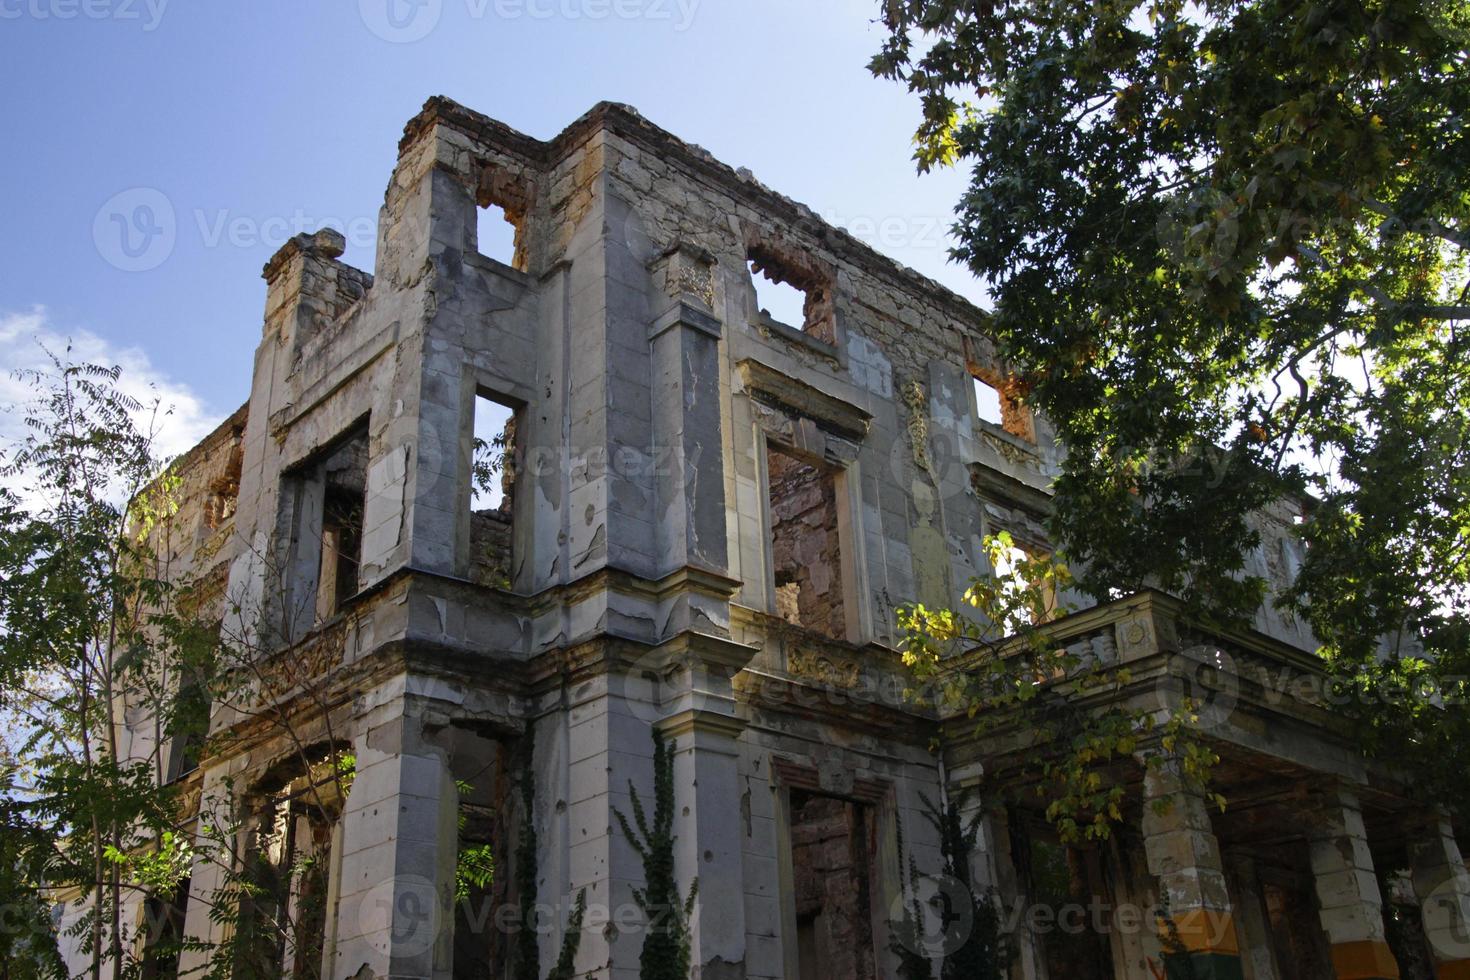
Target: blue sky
{"x":245,"y":121}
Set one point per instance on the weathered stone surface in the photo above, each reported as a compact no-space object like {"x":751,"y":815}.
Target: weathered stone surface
{"x":710,"y":520}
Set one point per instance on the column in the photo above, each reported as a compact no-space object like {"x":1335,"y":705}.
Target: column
{"x":1442,"y":885}
{"x":1347,"y":892}
{"x":399,"y":842}
{"x":1196,"y":925}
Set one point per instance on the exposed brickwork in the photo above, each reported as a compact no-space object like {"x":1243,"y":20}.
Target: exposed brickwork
{"x":806,"y":552}
{"x":831,"y":861}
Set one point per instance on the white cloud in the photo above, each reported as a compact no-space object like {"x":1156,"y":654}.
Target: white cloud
{"x":22,"y":339}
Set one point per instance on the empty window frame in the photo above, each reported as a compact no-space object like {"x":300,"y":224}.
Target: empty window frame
{"x":493,"y":471}
{"x":998,"y":402}
{"x":484,"y":869}
{"x":163,"y":922}
{"x":806,"y":548}
{"x":502,"y":204}
{"x":833,"y":861}
{"x":1011,"y":569}
{"x":496,"y":235}
{"x":289,"y":864}
{"x":326,"y":500}
{"x":792,"y":290}
{"x":1064,"y":878}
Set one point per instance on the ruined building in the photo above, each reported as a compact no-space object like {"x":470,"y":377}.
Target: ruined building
{"x":701,"y":519}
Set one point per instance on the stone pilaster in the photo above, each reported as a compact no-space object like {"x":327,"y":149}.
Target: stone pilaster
{"x":689,"y":457}
{"x":701,"y":723}
{"x":1347,"y":892}
{"x":1442,"y":885}
{"x":399,"y":842}
{"x":1196,"y":922}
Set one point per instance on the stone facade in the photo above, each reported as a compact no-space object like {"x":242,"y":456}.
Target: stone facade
{"x":710,"y":519}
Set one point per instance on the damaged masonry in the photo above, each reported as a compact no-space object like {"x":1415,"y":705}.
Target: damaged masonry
{"x":525,"y":508}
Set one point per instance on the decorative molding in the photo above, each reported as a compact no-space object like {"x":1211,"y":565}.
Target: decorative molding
{"x":686,"y":270}
{"x":795,"y":775}
{"x":687,"y":315}
{"x":815,"y":665}
{"x":701,"y":721}
{"x":918,"y":425}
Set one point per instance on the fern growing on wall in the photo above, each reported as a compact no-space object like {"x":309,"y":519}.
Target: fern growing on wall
{"x":666,"y":951}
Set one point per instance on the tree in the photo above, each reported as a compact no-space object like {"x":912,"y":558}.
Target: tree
{"x":1226,"y":243}
{"x":78,"y":593}
{"x":105,"y":661}
{"x":996,"y":664}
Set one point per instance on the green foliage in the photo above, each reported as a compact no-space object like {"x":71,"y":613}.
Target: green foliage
{"x":487,"y":460}
{"x":981,"y":952}
{"x":1226,"y":243}
{"x":270,"y":900}
{"x":87,"y":620}
{"x":982,"y":955}
{"x":474,"y":868}
{"x":1001,"y":668}
{"x":27,"y":943}
{"x":907,"y":941}
{"x":527,"y":950}
{"x":666,"y":943}
{"x":564,"y":968}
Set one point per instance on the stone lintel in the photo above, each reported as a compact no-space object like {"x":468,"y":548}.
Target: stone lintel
{"x":837,"y":413}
